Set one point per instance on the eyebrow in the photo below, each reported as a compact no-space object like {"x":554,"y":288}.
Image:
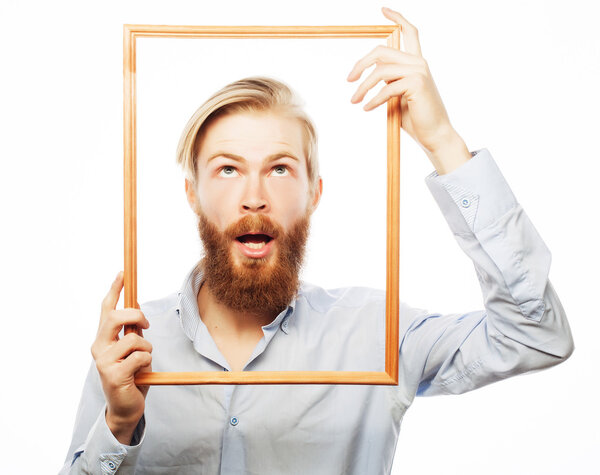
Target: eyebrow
{"x":239,"y":158}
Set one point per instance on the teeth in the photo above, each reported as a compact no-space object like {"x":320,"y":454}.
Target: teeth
{"x":254,"y":245}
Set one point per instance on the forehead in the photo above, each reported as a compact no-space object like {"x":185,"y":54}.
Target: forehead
{"x":252,"y":133}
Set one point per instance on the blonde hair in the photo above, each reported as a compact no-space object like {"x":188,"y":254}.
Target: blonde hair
{"x":256,"y":93}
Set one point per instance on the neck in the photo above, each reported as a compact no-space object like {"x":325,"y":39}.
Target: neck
{"x":220,"y":318}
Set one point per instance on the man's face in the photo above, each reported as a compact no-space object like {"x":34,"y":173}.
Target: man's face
{"x":254,"y":208}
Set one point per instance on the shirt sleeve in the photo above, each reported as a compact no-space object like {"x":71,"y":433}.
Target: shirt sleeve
{"x":94,"y":449}
{"x":523,"y":326}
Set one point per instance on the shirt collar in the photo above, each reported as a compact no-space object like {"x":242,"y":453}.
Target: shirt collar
{"x":189,"y":315}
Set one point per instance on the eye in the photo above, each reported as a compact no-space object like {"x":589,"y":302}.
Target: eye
{"x":280,"y":170}
{"x":227,"y":170}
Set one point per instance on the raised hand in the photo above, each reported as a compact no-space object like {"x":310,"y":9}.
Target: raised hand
{"x":406,"y":74}
{"x":118,"y":360}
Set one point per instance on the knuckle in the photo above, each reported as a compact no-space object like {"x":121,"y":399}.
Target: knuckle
{"x":145,"y":345}
{"x":136,"y":341}
{"x":141,"y":317}
{"x":145,"y":359}
{"x":141,"y":357}
{"x":131,"y":338}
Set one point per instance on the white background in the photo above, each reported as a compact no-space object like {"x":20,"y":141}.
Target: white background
{"x":352,"y":150}
{"x":518,"y":78}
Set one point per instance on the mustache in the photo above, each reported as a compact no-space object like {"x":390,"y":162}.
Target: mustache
{"x":254,"y":223}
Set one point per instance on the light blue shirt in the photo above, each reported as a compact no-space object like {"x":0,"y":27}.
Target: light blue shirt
{"x":339,"y":429}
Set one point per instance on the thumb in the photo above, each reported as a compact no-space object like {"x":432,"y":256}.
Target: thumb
{"x":112,"y":297}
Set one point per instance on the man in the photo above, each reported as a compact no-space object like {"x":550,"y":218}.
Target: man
{"x":249,"y":154}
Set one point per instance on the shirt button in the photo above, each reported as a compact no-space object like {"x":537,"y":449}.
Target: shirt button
{"x":234,"y":421}
{"x":465,"y":203}
{"x":111,"y":465}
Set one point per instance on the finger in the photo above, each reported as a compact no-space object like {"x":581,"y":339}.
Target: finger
{"x":112,"y":297}
{"x":145,"y":369}
{"x":395,"y":88}
{"x":410,"y":34}
{"x":383,"y":54}
{"x":383,"y":72}
{"x":126,"y":345}
{"x":135,"y":361}
{"x":112,"y":322}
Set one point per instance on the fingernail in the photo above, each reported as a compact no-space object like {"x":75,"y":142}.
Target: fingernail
{"x":118,"y":275}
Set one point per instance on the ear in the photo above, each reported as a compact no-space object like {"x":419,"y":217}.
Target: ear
{"x":191,"y":195}
{"x":316,"y":196}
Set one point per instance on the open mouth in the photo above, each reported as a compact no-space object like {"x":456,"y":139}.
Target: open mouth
{"x":254,"y":240}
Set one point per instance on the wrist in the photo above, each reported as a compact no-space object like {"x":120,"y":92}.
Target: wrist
{"x":122,"y":430}
{"x":450,"y":153}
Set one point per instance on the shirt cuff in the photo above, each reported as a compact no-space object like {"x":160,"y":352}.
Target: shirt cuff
{"x":481,"y":210}
{"x":474,"y":195}
{"x":105,"y":454}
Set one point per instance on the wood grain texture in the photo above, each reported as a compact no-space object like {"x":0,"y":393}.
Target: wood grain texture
{"x":255,"y":31}
{"x":266,"y":377}
{"x":392,"y":291}
{"x":389,"y":32}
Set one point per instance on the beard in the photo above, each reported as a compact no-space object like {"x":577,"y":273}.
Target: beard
{"x":256,"y":286}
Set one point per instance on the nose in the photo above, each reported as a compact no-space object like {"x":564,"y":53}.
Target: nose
{"x":254,"y":198}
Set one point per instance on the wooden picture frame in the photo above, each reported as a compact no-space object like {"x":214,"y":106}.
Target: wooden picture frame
{"x":389,"y":32}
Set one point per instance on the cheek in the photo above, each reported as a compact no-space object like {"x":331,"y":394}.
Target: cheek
{"x":289,"y":200}
{"x":217,"y":203}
